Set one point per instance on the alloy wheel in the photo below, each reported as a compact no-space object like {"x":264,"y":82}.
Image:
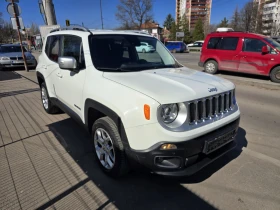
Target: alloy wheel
{"x":45,"y":98}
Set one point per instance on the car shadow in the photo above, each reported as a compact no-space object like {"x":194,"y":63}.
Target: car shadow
{"x":137,"y":190}
{"x":8,"y":75}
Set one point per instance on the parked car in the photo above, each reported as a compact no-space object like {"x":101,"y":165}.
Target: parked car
{"x":196,"y":46}
{"x":145,"y":47}
{"x":241,"y":52}
{"x":176,"y":46}
{"x":151,"y":111}
{"x":11,"y":57}
{"x":195,"y":43}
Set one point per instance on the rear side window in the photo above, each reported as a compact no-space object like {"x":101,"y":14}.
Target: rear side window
{"x":223,"y":43}
{"x":72,"y":46}
{"x":52,"y":48}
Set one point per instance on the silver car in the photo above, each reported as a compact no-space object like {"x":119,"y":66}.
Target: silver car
{"x":11,"y":57}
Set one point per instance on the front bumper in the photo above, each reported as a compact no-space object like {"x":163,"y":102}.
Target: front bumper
{"x":190,"y":156}
{"x":20,"y":63}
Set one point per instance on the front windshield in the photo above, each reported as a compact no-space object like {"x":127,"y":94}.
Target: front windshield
{"x":273,"y":43}
{"x":129,"y":53}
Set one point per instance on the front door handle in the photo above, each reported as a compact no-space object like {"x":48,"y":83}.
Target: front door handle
{"x":244,"y":57}
{"x":59,"y":75}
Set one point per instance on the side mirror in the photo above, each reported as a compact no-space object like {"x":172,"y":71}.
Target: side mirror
{"x":69,"y":63}
{"x":265,"y":50}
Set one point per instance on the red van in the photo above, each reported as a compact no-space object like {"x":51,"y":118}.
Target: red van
{"x":241,"y":52}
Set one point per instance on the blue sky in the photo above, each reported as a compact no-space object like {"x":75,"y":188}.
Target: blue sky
{"x":88,"y":12}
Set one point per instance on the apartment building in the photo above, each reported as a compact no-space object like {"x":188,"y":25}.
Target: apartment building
{"x":270,"y":10}
{"x":194,"y":10}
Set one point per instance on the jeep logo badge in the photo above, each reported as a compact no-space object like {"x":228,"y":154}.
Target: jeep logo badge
{"x":212,"y":90}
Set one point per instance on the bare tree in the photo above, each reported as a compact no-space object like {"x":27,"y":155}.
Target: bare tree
{"x":133,"y":13}
{"x":249,"y":16}
{"x":275,"y":29}
{"x":34,"y":29}
{"x":235,"y":22}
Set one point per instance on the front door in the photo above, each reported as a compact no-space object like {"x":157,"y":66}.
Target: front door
{"x":252,"y":60}
{"x":70,"y":88}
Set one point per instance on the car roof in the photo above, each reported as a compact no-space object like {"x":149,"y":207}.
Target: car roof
{"x":237,"y":33}
{"x":99,"y":32}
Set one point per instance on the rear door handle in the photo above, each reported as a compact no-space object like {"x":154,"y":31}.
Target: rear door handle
{"x":244,"y":57}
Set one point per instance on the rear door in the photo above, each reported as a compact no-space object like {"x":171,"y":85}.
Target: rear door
{"x":226,"y":51}
{"x":251,"y":58}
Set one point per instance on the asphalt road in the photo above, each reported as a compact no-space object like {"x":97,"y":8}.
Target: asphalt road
{"x":246,"y":178}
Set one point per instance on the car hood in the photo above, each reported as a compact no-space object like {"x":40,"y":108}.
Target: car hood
{"x":14,"y":54}
{"x":172,"y":85}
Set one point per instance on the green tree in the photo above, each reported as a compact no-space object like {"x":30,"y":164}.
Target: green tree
{"x":173,"y":31}
{"x":198,"y":32}
{"x":168,"y":21}
{"x":224,"y":23}
{"x":185,"y":29}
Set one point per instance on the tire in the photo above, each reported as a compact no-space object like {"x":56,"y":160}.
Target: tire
{"x":174,"y":51}
{"x":112,"y":160}
{"x":211,"y":67}
{"x":47,"y":104}
{"x":275,"y":74}
{"x":143,"y":51}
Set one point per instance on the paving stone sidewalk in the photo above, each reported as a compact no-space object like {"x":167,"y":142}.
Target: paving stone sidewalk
{"x":38,"y":169}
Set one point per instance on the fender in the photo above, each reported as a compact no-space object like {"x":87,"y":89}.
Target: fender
{"x":40,"y":76}
{"x":107,"y":112}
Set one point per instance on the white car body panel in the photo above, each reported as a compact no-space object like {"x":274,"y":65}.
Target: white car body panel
{"x":126,"y":93}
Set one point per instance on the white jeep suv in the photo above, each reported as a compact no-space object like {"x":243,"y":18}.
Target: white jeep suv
{"x":139,"y":108}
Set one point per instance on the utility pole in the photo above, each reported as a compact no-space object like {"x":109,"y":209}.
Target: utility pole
{"x":19,"y":35}
{"x":101,"y":13}
{"x":50,"y":12}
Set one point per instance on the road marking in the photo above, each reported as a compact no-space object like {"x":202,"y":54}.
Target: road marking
{"x":261,"y":156}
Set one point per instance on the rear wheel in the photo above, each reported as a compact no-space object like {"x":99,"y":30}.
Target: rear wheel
{"x":211,"y":67}
{"x":173,"y":51}
{"x":47,"y":104}
{"x":109,"y":149}
{"x":275,"y":74}
{"x":143,"y":51}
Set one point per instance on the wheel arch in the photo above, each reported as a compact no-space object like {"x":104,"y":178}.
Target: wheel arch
{"x":40,"y":78}
{"x":94,"y":110}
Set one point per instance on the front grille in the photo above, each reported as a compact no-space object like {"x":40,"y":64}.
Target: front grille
{"x":16,"y":58}
{"x":210,"y":107}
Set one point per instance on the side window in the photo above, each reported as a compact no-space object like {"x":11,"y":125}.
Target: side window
{"x":253,"y":45}
{"x":223,"y":43}
{"x":52,"y":48}
{"x":73,"y":46}
{"x":213,"y":42}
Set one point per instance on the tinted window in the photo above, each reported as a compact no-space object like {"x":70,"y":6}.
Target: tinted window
{"x":223,"y":43}
{"x":122,"y":53}
{"x":52,"y":48}
{"x":253,"y":45}
{"x":12,"y":48}
{"x":72,"y":46}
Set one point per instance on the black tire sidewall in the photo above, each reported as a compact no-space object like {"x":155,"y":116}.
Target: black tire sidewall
{"x":118,"y":149}
{"x":272,"y":75}
{"x":216,"y":66}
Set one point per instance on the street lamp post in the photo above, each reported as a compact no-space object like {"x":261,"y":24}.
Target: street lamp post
{"x":101,"y":13}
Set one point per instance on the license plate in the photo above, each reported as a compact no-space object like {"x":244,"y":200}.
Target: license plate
{"x":212,"y":145}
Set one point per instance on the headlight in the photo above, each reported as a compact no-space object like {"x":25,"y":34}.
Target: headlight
{"x":169,"y":112}
{"x":29,"y":57}
{"x":4,"y":58}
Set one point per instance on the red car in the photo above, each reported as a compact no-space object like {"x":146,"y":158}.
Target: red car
{"x":241,"y":52}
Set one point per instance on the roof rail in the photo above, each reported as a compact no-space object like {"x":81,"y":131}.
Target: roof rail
{"x":72,"y":27}
{"x":136,"y":31}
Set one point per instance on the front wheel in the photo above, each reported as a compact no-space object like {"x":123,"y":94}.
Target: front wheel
{"x":47,"y":104}
{"x":211,"y":67}
{"x":275,"y":74}
{"x":109,"y":149}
